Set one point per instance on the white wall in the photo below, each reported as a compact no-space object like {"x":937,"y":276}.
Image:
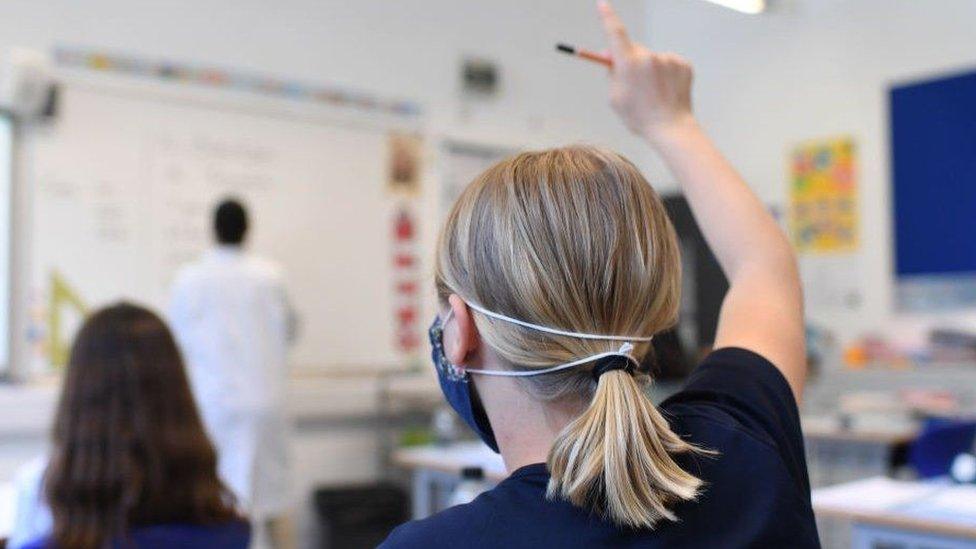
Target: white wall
{"x":811,"y":69}
{"x":805,"y":69}
{"x":408,"y":49}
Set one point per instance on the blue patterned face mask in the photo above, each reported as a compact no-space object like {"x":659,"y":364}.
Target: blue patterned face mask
{"x":456,"y":382}
{"x":457,"y":387}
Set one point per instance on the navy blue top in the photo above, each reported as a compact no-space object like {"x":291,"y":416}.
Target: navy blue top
{"x":757,"y":492}
{"x":232,"y":535}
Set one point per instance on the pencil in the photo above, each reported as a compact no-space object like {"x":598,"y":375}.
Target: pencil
{"x":584,"y":53}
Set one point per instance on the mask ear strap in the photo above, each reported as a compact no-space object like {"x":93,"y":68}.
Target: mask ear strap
{"x":450,"y":313}
{"x":555,"y":331}
{"x":624,"y":351}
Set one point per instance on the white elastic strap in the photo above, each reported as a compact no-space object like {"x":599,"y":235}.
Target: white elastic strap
{"x":556,"y":331}
{"x":624,"y":351}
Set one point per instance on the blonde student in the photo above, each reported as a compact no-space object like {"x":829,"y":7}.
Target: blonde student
{"x":555,"y":269}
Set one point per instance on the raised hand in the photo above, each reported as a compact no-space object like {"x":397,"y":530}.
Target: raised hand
{"x":650,"y":91}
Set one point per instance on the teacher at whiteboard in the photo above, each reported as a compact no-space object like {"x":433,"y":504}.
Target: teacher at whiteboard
{"x":230,"y":313}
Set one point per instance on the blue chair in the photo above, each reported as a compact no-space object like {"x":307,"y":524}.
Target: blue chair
{"x":939,"y":443}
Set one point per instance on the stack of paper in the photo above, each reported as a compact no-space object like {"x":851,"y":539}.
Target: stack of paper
{"x":873,"y":494}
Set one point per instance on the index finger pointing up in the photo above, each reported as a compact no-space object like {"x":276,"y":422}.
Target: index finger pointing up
{"x":616,"y":32}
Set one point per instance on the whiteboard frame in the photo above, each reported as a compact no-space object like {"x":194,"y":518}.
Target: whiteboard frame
{"x":9,"y":370}
{"x":236,"y":101}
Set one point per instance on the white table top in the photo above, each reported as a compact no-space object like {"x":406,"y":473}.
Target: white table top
{"x":7,"y":503}
{"x":452,"y":458}
{"x":937,"y":507}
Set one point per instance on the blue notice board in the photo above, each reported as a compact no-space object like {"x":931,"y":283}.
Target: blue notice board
{"x":933,"y":152}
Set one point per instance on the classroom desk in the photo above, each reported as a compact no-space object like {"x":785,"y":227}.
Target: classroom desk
{"x":891,"y":437}
{"x":836,"y":454}
{"x":436,"y":469}
{"x":902,"y":514}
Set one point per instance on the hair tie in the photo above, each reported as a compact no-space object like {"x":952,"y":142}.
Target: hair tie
{"x":611,"y":363}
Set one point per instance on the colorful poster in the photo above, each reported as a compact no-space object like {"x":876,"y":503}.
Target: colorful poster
{"x":823,"y":196}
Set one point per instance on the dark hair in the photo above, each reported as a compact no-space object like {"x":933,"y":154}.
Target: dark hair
{"x":129,"y":448}
{"x":230,"y":222}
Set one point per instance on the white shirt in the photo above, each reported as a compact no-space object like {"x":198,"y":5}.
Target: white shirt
{"x":232,"y":318}
{"x":32,"y":517}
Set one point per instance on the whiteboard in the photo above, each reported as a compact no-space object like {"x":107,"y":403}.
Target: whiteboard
{"x":123,"y":186}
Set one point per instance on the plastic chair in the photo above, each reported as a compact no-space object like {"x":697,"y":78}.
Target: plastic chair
{"x":939,"y":443}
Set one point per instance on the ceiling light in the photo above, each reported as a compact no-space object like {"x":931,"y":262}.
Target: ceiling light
{"x":745,"y":6}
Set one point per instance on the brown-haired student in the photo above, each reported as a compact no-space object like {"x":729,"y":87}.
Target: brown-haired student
{"x":130,"y":464}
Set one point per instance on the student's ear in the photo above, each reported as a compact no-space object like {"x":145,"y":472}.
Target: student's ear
{"x":461,"y":343}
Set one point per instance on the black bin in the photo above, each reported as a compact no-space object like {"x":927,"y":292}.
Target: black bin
{"x":360,"y":517}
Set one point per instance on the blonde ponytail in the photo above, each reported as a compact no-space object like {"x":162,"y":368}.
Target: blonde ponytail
{"x":576,"y":239}
{"x":616,"y":458}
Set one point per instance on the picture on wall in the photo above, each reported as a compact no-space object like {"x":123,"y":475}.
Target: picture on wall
{"x":404,"y":163}
{"x":823,"y":196}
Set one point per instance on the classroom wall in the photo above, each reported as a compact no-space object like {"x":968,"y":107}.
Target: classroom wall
{"x":405,"y":49}
{"x":810,"y":69}
{"x":805,"y":69}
